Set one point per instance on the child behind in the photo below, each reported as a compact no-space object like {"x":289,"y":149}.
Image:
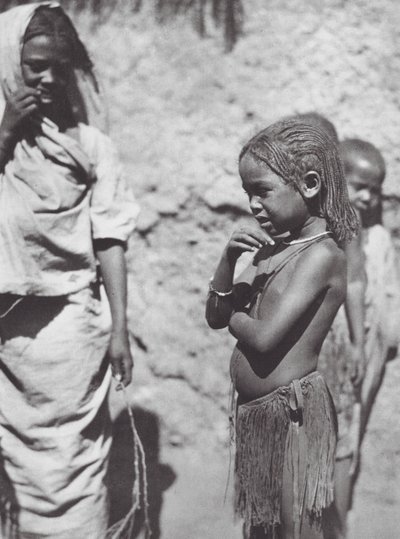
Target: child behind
{"x":354,"y":354}
{"x":280,"y":310}
{"x":365,"y":172}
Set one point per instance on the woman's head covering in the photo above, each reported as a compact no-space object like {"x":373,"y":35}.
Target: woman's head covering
{"x":84,"y":94}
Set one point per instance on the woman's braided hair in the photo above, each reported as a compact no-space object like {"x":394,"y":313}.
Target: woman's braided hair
{"x":290,"y":148}
{"x":54,"y":23}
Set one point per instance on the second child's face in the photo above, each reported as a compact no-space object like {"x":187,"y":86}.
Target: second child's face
{"x":46,"y":66}
{"x":278,"y":207}
{"x":365,"y":188}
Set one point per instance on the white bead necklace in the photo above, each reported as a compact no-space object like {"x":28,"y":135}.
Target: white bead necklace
{"x":306,"y":240}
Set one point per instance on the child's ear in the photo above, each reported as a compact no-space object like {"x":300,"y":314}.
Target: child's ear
{"x":310,"y":184}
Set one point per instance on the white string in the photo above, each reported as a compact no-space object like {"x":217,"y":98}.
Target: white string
{"x":306,"y":240}
{"x":123,"y":528}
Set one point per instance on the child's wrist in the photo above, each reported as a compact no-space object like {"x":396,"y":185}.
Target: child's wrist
{"x":223,"y":292}
{"x":231,"y":257}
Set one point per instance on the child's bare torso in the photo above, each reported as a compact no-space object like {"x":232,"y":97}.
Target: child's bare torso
{"x":256,"y":375}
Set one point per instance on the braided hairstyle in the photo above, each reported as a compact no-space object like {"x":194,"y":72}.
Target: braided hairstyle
{"x":54,"y":23}
{"x":291,"y":148}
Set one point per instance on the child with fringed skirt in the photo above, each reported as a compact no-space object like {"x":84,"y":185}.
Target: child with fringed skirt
{"x":280,"y":310}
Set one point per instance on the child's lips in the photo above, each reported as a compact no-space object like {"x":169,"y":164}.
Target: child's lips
{"x":263,"y":222}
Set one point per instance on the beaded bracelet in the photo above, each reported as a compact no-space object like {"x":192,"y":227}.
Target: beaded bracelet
{"x":212,"y":290}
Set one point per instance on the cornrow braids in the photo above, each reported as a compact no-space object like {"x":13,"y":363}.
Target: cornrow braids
{"x":53,"y":22}
{"x":290,"y":148}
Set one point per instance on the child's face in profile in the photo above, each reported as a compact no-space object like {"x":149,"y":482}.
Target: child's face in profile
{"x":47,"y":66}
{"x":365,"y":187}
{"x":278,"y":207}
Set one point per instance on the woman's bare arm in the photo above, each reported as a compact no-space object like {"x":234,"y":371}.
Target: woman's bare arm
{"x":111,"y":257}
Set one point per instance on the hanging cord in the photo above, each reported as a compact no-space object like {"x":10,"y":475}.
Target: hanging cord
{"x":124,"y":527}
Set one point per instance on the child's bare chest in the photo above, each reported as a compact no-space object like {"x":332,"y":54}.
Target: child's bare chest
{"x":272,"y":277}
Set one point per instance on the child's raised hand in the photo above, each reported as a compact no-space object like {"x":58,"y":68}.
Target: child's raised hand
{"x":247,"y":238}
{"x":19,"y":106}
{"x":120,"y":357}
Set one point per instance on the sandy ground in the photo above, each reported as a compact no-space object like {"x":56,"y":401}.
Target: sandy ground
{"x":376,"y":512}
{"x":187,"y":485}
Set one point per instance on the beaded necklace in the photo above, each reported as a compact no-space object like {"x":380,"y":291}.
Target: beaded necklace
{"x":306,"y":240}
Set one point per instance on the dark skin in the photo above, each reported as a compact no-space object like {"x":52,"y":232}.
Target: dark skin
{"x":299,"y":306}
{"x":47,"y":67}
{"x":364,"y":178}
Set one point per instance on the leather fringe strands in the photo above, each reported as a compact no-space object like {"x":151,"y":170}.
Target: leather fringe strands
{"x":268,"y":436}
{"x":123,"y":528}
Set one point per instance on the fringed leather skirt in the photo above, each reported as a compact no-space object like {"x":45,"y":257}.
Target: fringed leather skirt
{"x":293,"y":426}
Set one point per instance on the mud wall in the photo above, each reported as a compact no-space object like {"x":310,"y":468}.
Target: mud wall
{"x":180,"y":109}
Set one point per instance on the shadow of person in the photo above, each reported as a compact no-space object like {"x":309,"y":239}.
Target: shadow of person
{"x":121,"y":473}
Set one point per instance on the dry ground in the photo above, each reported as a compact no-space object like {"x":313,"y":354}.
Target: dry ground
{"x":188,"y":483}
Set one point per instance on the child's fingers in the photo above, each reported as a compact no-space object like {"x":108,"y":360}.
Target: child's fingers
{"x":268,"y":239}
{"x":248,"y":239}
{"x":264,"y":237}
{"x":244,"y":246}
{"x":260,"y":235}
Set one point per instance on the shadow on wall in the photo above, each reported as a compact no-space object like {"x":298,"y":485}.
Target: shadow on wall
{"x":121,"y":471}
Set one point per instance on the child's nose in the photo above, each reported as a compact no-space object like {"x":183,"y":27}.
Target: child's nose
{"x":255,"y":203}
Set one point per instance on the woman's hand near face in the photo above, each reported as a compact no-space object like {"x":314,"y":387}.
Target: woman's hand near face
{"x":20,"y":105}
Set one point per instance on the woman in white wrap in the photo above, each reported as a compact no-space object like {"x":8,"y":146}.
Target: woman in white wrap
{"x":64,"y":212}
